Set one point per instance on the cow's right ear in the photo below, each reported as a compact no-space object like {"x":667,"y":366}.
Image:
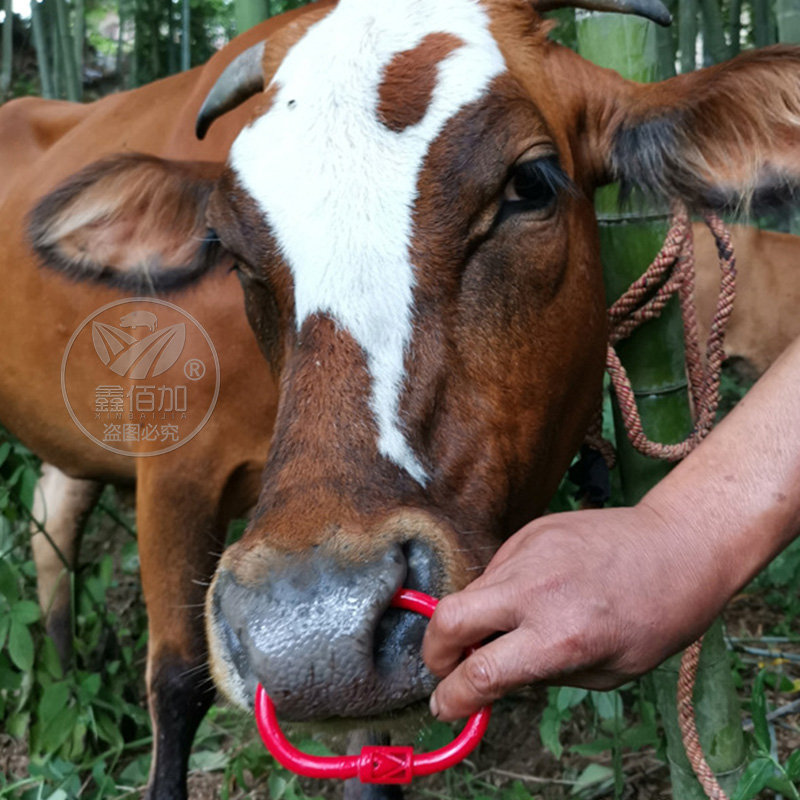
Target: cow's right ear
{"x":132,"y":221}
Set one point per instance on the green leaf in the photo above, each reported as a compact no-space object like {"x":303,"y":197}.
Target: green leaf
{"x":54,"y":698}
{"x":569,"y":697}
{"x":59,"y":730}
{"x":436,"y":735}
{"x":755,"y":778}
{"x":48,"y":659}
{"x":9,"y":582}
{"x":209,"y":760}
{"x":780,"y":784}
{"x":17,"y":724}
{"x":27,"y":486}
{"x":608,"y":704}
{"x":5,"y":624}
{"x":758,"y":710}
{"x":5,"y":449}
{"x":550,"y":731}
{"x":277,"y":785}
{"x":20,"y":646}
{"x":314,"y":748}
{"x":593,"y":774}
{"x":26,"y":612}
{"x":601,"y":744}
{"x":793,"y":766}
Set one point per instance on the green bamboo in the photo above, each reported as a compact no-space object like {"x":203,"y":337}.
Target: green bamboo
{"x":715,"y":50}
{"x":51,"y":26}
{"x":666,"y":42}
{"x":8,"y":44}
{"x":735,"y":27}
{"x":186,"y":52}
{"x":40,"y":44}
{"x":78,"y":36}
{"x":687,"y":34}
{"x":123,"y":21}
{"x":787,"y":15}
{"x":654,"y":359}
{"x":764,"y":31}
{"x":249,"y":13}
{"x":67,"y":52}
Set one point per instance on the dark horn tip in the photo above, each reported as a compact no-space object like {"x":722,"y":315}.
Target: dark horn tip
{"x":201,"y":127}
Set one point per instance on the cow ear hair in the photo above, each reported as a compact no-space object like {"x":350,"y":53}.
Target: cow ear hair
{"x":132,"y":221}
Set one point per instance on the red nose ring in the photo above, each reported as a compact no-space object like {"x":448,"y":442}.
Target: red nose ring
{"x":374,"y":764}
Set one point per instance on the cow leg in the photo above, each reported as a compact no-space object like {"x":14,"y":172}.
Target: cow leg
{"x":180,"y":537}
{"x":353,"y":788}
{"x":61,"y":506}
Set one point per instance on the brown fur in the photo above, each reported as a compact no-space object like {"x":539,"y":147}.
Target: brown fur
{"x":765,"y":318}
{"x":409,"y":80}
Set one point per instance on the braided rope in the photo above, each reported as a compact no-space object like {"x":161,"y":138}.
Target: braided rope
{"x":673,"y":272}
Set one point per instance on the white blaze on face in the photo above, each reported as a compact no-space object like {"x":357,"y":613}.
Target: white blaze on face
{"x":338,"y":188}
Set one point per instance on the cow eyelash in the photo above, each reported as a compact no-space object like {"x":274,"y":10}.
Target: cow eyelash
{"x":533,"y":187}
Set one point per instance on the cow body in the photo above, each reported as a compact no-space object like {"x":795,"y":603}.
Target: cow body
{"x":764,"y":321}
{"x":407,"y":203}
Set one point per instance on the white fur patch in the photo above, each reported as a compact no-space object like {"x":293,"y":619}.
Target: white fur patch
{"x":338,"y":188}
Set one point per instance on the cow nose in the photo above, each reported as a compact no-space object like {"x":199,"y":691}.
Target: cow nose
{"x":319,"y":633}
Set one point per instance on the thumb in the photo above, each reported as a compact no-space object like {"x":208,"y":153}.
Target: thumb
{"x":490,"y":672}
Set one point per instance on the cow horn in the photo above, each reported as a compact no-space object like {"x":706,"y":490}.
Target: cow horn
{"x":242,"y":78}
{"x":654,"y":10}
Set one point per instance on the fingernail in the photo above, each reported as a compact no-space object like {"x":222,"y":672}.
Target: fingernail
{"x":434,"y":704}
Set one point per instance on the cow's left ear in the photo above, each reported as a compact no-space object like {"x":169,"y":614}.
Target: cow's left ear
{"x":132,"y":221}
{"x":726,"y":137}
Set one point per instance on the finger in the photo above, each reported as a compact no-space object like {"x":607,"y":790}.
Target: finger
{"x":490,"y":672}
{"x":464,"y":619}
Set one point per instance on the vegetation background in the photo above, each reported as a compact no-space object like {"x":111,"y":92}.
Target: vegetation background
{"x":86,"y":733}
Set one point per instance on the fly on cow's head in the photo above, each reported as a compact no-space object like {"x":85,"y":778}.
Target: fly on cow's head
{"x":410,"y":209}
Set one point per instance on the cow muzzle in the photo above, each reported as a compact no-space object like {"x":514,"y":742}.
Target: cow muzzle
{"x":318,"y":633}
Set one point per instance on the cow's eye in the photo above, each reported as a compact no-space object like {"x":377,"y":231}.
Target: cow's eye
{"x":534,"y":186}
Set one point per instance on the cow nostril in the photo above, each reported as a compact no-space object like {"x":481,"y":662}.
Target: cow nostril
{"x":398,"y":634}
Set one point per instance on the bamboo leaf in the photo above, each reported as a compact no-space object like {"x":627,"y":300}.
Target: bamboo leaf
{"x":755,"y":778}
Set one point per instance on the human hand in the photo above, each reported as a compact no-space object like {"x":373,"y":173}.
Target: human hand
{"x":586,"y":598}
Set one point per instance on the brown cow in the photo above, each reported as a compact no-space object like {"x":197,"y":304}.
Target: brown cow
{"x":410,"y":212}
{"x":765,"y":318}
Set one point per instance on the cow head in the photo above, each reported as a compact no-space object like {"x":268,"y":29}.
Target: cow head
{"x":410,"y":213}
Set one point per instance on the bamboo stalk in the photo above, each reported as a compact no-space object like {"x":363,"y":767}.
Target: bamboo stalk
{"x":735,"y":27}
{"x":787,"y":15}
{"x":186,"y":42}
{"x":654,"y":359}
{"x":250,"y":12}
{"x":764,"y":32}
{"x":67,"y":52}
{"x":78,"y":36}
{"x":687,"y":34}
{"x":6,"y":64}
{"x":120,"y":38}
{"x":715,"y":50}
{"x":39,"y":43}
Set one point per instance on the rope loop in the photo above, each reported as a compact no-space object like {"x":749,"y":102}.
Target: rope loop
{"x":673,"y":272}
